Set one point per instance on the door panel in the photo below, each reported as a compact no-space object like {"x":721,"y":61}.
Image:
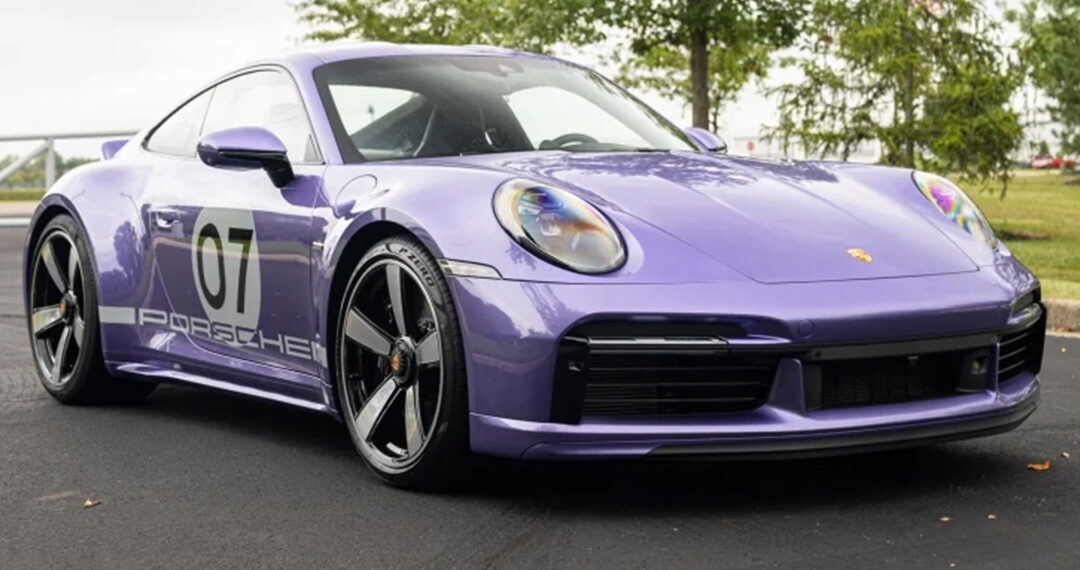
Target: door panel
{"x":234,"y":252}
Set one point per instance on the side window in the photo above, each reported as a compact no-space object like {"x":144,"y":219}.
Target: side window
{"x":179,"y":133}
{"x":264,"y":99}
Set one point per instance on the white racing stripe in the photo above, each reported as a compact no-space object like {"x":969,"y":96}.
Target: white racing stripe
{"x":116,"y":315}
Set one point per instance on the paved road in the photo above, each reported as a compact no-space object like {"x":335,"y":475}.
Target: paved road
{"x":194,"y":478}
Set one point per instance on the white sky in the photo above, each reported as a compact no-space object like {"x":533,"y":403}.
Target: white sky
{"x":82,"y":65}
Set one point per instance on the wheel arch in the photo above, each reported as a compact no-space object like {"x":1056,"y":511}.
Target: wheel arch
{"x":349,"y":253}
{"x":51,"y":206}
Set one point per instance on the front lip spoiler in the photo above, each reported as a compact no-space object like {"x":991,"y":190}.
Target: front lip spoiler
{"x":822,"y":445}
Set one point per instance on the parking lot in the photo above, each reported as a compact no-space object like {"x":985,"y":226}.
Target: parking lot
{"x":194,"y":478}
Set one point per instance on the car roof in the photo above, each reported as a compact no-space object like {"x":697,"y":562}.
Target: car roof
{"x":315,"y":56}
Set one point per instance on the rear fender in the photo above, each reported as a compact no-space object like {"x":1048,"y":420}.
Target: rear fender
{"x":98,"y":197}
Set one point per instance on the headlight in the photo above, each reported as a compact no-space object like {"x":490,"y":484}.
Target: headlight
{"x":951,"y":201}
{"x":559,"y":227}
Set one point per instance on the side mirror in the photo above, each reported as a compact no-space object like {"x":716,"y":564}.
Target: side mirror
{"x":247,"y":148}
{"x":706,"y":140}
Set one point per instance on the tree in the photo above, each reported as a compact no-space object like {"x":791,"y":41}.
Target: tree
{"x":700,"y":51}
{"x":1051,"y":49}
{"x":928,"y":80}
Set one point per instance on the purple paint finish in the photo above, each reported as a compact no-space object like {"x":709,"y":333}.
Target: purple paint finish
{"x":757,"y":243}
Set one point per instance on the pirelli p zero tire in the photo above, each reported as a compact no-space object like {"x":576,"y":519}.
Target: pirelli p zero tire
{"x":400,"y":372}
{"x":63,"y":321}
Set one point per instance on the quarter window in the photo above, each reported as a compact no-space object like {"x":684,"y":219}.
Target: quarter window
{"x":179,"y":133}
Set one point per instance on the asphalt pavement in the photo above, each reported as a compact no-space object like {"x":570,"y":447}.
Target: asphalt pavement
{"x":200,"y":479}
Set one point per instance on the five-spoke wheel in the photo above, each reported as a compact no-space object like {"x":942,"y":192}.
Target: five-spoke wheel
{"x":56,"y":319}
{"x":394,"y":378}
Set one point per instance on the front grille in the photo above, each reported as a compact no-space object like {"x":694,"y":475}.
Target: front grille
{"x":666,"y":385}
{"x":659,"y":369}
{"x":889,"y":380}
{"x":1021,"y":352}
{"x":666,"y":369}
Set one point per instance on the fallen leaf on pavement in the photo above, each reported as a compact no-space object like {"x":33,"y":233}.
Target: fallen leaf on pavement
{"x":1065,"y":454}
{"x":991,"y":517}
{"x":1045,"y":465}
{"x":89,"y":504}
{"x":945,"y":519}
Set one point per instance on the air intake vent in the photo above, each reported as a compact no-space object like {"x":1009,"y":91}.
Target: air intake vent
{"x":890,"y":380}
{"x":665,"y":369}
{"x":1021,"y":351}
{"x":666,"y":385}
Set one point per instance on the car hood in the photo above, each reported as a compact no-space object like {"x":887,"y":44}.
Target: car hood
{"x":773,"y":222}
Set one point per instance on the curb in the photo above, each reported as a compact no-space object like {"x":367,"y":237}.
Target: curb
{"x":1062,"y":314}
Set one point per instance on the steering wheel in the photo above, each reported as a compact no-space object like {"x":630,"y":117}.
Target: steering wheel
{"x":571,"y":138}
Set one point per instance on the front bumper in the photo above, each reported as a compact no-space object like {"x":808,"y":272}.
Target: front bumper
{"x":513,"y":332}
{"x":770,"y":431}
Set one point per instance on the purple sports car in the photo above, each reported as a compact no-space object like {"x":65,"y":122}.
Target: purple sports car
{"x":460,"y":250}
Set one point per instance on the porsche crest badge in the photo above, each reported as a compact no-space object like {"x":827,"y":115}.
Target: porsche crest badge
{"x":860,"y":254}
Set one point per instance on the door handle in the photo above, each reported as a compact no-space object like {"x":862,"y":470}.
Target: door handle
{"x":164,"y":218}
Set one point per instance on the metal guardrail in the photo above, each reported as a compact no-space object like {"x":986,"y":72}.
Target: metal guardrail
{"x":47,"y":147}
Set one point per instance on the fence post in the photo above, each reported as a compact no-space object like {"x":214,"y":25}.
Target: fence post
{"x":50,"y":163}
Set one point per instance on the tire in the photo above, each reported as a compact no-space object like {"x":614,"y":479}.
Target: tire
{"x":63,"y":321}
{"x":387,"y":363}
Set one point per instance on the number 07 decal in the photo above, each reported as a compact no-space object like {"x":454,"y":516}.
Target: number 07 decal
{"x":225,"y":263}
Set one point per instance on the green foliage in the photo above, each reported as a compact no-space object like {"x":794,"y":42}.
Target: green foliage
{"x":21,"y":195}
{"x":33,"y":175}
{"x":1040,"y":223}
{"x":1051,"y":48}
{"x":523,"y":24}
{"x":928,"y":80}
{"x":652,"y":38}
{"x":735,"y":37}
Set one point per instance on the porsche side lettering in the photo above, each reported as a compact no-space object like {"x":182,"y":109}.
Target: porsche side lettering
{"x":225,"y":333}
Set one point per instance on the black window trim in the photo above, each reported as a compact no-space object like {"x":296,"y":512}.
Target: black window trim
{"x":320,"y":161}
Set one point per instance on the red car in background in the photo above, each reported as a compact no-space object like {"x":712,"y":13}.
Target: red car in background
{"x":1046,"y":161}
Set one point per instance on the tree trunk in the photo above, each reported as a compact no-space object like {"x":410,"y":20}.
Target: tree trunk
{"x":909,"y":96}
{"x":699,"y":77}
{"x":909,"y":117}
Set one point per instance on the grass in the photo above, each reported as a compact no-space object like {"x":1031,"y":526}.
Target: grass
{"x":1039,"y":220}
{"x":20,"y":195}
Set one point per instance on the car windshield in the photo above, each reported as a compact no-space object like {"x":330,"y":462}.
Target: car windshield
{"x":418,"y":106}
